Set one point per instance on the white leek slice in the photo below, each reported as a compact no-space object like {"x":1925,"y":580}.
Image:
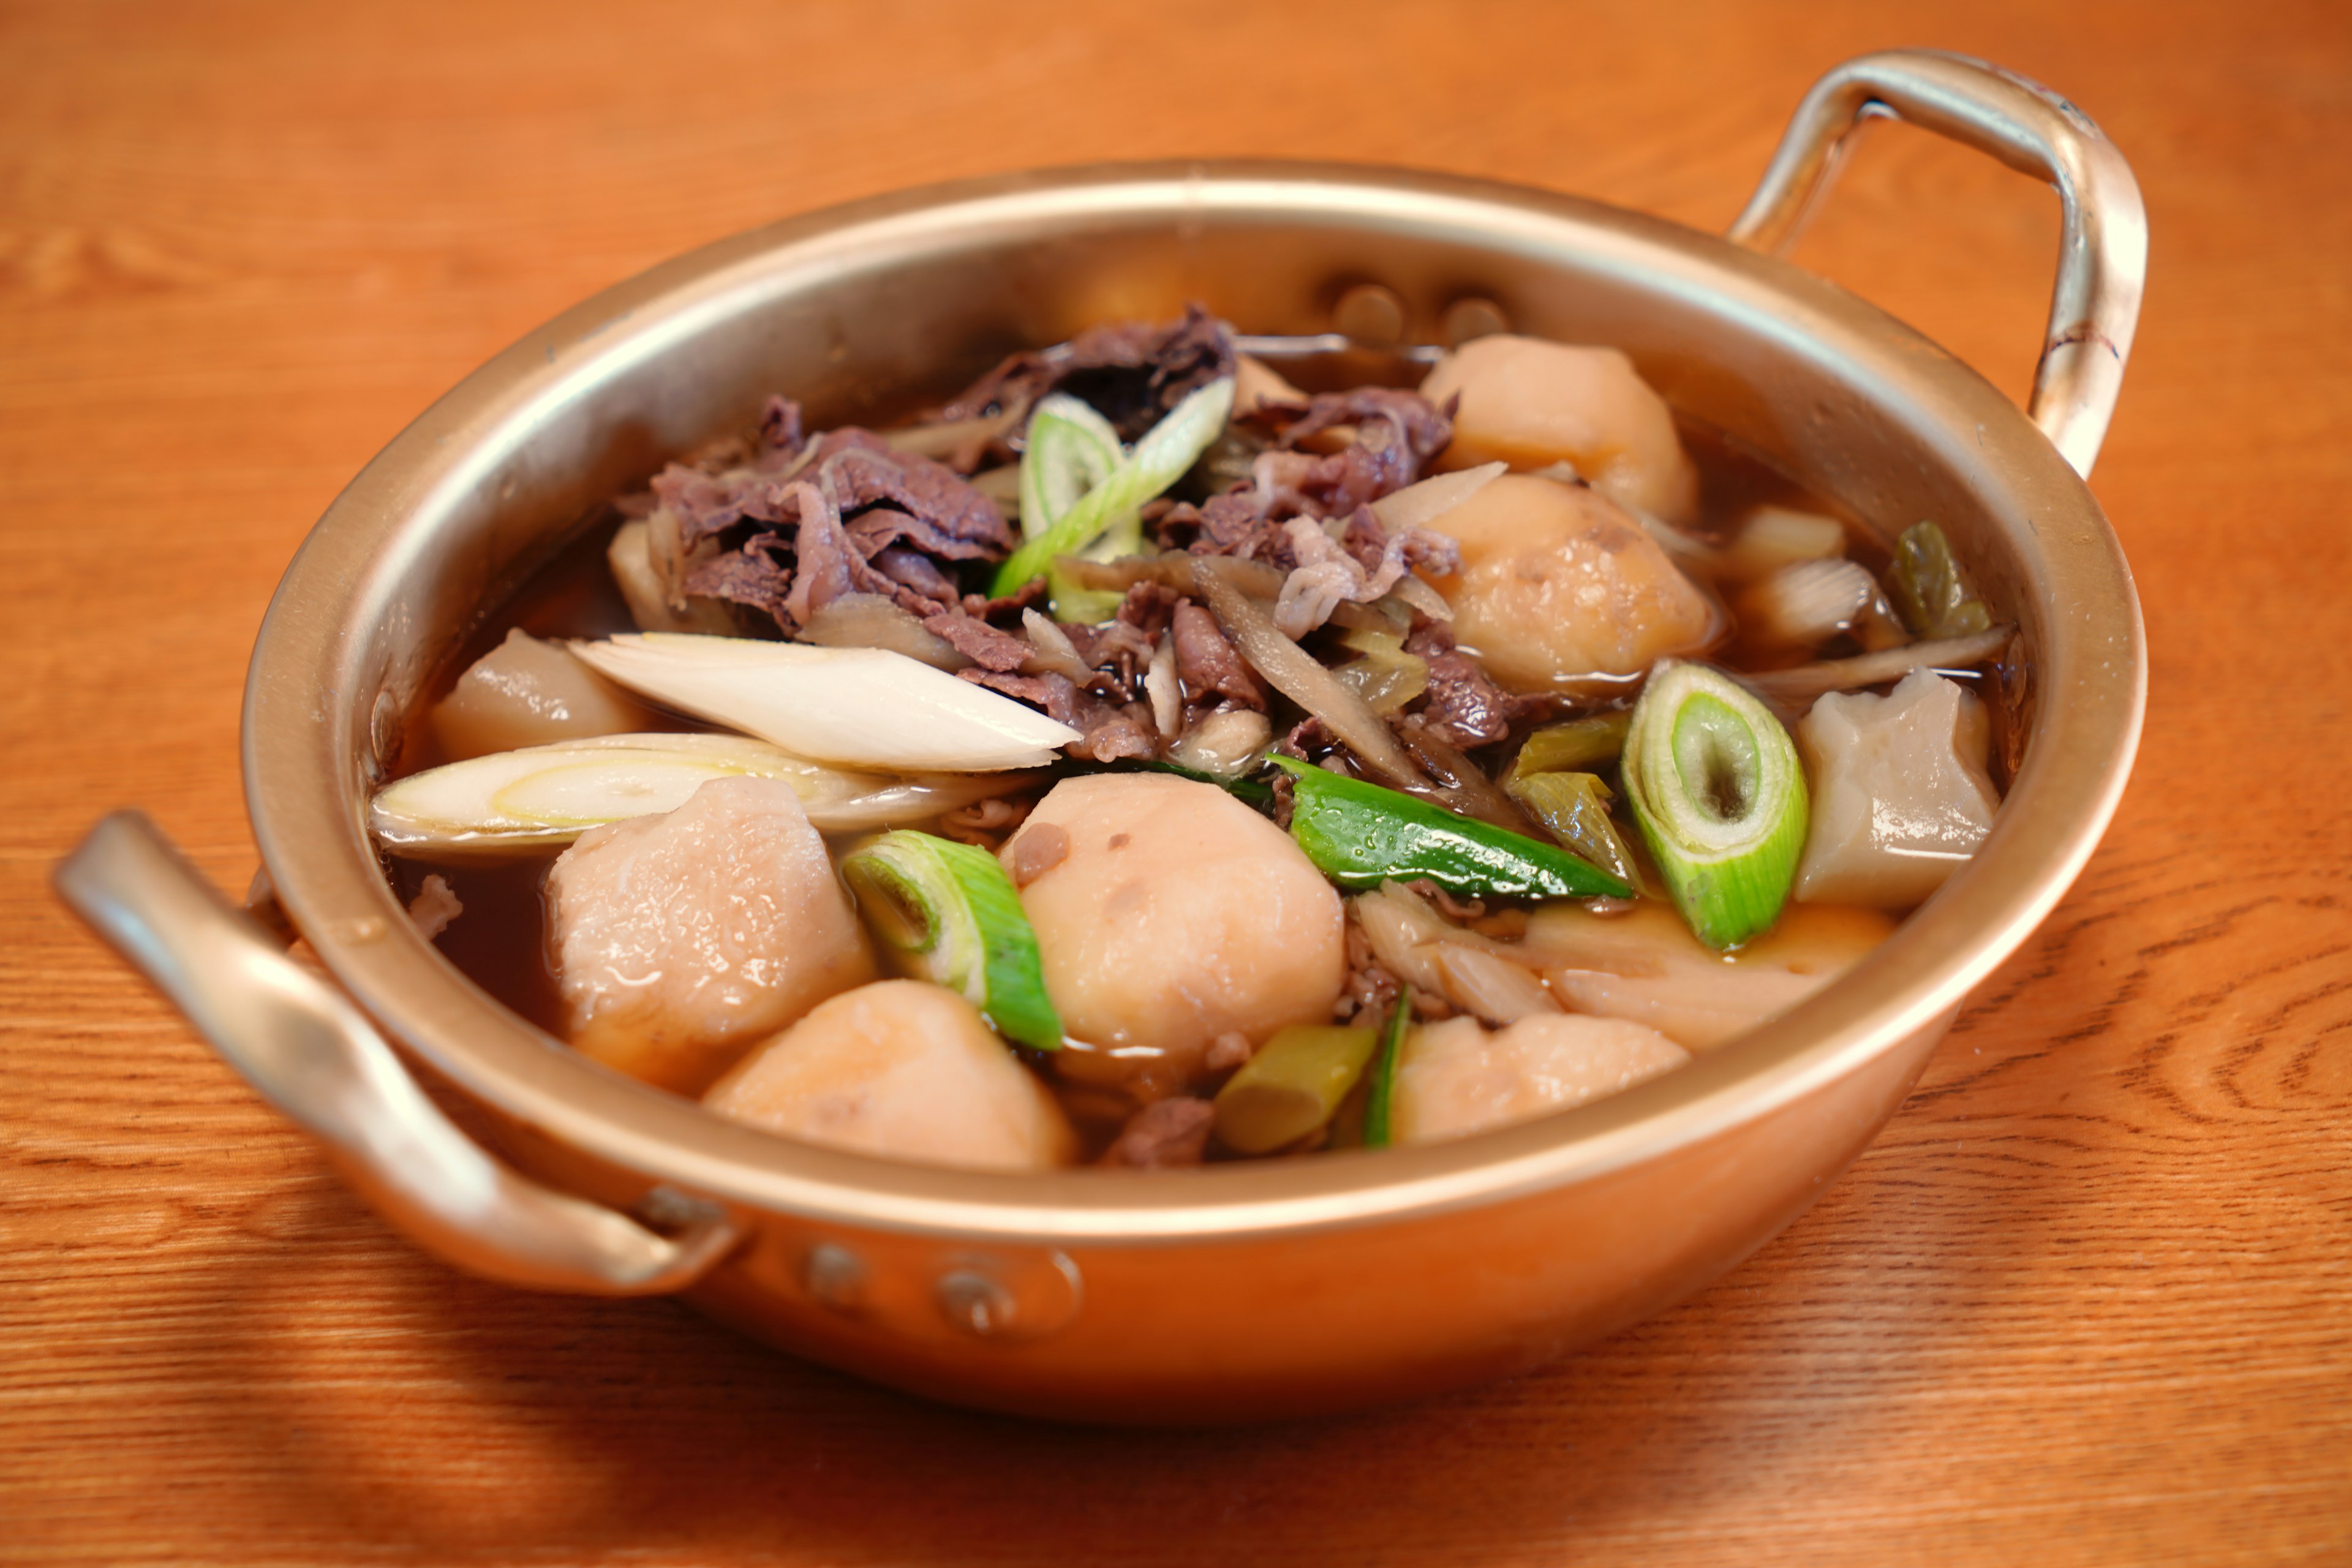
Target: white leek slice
{"x":1418,"y":505}
{"x":1716,"y":786}
{"x":542,"y":798}
{"x":862,"y":707}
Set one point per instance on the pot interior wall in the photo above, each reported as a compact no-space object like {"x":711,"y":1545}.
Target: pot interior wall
{"x":864,"y":324}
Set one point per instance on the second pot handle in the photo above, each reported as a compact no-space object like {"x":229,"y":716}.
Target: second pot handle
{"x":303,"y":1043}
{"x":2103,"y":250}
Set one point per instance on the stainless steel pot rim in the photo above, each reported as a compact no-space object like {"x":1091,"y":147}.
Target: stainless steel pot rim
{"x":306,"y":669}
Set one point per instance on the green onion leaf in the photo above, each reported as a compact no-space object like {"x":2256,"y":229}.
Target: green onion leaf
{"x":1377,"y":1114}
{"x":1360,"y":835}
{"x":1574,"y":809}
{"x":948,"y":913}
{"x":1717,"y":788}
{"x":1929,"y":589}
{"x":1292,"y":1086}
{"x":1158,"y":460}
{"x":1575,"y":746}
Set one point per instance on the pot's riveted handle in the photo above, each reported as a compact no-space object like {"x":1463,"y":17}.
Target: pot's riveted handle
{"x":2103,"y":256}
{"x":305,"y":1046}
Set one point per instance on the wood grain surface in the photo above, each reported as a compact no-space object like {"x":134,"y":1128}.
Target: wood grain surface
{"x":2089,"y":1299}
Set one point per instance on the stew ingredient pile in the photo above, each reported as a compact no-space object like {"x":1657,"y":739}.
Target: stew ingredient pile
{"x":1141,"y":761}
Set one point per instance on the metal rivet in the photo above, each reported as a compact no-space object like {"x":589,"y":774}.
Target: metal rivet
{"x":975,"y":1302}
{"x":1371,"y":315}
{"x":1472,"y":318}
{"x":834,"y":1275}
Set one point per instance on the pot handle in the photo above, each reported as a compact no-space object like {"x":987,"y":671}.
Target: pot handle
{"x":310,"y":1051}
{"x":2103,"y":251}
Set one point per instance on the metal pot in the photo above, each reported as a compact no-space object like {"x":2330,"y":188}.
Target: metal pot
{"x":1237,"y":1291}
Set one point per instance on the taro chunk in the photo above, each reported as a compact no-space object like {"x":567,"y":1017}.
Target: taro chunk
{"x":1168,"y":913}
{"x":1900,"y":793}
{"x":1454,"y":1078}
{"x":903,"y":1069}
{"x":1556,"y":582}
{"x":679,"y":939}
{"x":526,"y":692}
{"x":1531,"y":404}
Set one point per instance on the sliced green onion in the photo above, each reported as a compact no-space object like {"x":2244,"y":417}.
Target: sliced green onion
{"x":1575,"y":746}
{"x":1930,"y":590}
{"x":1291,"y":1087}
{"x":1071,"y":449}
{"x":949,"y":914}
{"x":1158,"y":460}
{"x":1716,"y":786}
{"x":1377,"y":1114}
{"x":540,"y":798}
{"x":1360,"y":835}
{"x":1574,"y":809}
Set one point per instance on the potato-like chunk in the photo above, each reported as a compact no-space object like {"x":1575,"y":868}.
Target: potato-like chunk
{"x":1531,"y":402}
{"x":680,"y":938}
{"x":1169,"y":913}
{"x":1645,"y":965}
{"x":1454,"y":1078}
{"x":1556,"y":582}
{"x":526,"y":692}
{"x":1901,"y":797}
{"x":904,"y":1069}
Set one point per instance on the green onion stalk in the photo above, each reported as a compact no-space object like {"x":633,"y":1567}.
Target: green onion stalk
{"x":947,"y":913}
{"x":1099,"y":517}
{"x":1719,"y":795}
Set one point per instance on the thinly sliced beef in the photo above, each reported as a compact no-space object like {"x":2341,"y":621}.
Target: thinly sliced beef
{"x":807,"y":521}
{"x":1164,"y":1134}
{"x":978,"y":641}
{"x":1464,"y":707}
{"x":1132,"y":371}
{"x":1207,"y":664}
{"x":1109,"y":734}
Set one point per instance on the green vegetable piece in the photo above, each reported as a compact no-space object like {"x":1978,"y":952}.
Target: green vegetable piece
{"x":1360,"y":835}
{"x":1377,"y":1105}
{"x":947,"y":913}
{"x":1720,"y":798}
{"x":1929,"y":590}
{"x":1158,"y":460}
{"x":1291,"y":1087}
{"x":1071,"y":450}
{"x":1574,"y":809}
{"x":1576,"y":746}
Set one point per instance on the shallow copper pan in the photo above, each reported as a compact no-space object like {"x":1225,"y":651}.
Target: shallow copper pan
{"x":1236,"y":1291}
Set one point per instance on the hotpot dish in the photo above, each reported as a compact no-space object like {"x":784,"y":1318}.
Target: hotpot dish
{"x":1230,"y":1292}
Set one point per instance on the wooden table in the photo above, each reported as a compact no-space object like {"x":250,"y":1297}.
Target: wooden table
{"x":2088,"y":1299}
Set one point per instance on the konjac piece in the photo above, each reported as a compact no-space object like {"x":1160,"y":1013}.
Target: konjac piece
{"x":680,"y":938}
{"x":903,"y":1069}
{"x":1556,"y":582}
{"x":526,"y":692}
{"x":1530,"y":403}
{"x":1456,"y":1077}
{"x":1901,"y":797}
{"x":1168,"y":913}
{"x":1643,"y":964}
